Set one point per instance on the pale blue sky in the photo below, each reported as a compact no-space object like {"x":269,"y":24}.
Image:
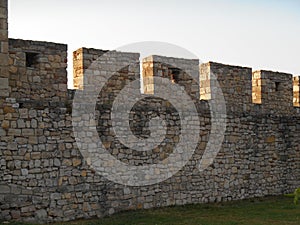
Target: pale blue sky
{"x":258,"y":34}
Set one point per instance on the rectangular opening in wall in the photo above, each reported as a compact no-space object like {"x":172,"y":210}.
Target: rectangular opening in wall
{"x":277,"y":86}
{"x":31,"y":59}
{"x":175,"y":75}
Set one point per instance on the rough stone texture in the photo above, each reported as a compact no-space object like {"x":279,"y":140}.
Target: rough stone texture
{"x":45,"y":178}
{"x":234,"y":81}
{"x":81,"y":63}
{"x":184,"y":72}
{"x":296,"y":91}
{"x":274,"y":90}
{"x":38,"y":70}
{"x":4,"y":87}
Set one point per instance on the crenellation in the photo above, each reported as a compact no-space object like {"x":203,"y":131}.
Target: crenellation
{"x":273,"y":90}
{"x":82,"y":59}
{"x":184,"y":72}
{"x":87,"y":61}
{"x":37,"y":70}
{"x":234,"y":81}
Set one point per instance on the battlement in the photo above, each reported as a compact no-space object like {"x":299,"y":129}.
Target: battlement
{"x":37,"y":71}
{"x":103,"y":63}
{"x":234,"y":81}
{"x":184,"y":72}
{"x":276,"y":92}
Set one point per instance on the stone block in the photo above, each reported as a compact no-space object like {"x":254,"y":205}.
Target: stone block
{"x":4,"y":189}
{"x":270,"y":139}
{"x":3,"y":83}
{"x":41,"y":215}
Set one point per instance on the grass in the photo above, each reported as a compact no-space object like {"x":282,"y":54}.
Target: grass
{"x":260,"y":211}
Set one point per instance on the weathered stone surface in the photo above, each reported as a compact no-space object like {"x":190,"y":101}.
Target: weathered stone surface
{"x":41,"y":215}
{"x":4,"y":189}
{"x":3,"y":83}
{"x":45,"y":178}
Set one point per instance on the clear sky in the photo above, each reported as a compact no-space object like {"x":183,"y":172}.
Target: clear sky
{"x":260,"y":34}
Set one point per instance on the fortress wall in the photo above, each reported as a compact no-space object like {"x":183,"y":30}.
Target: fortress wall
{"x":45,"y":177}
{"x":38,"y":153}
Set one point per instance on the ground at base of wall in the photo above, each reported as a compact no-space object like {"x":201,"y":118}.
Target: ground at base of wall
{"x":267,"y":210}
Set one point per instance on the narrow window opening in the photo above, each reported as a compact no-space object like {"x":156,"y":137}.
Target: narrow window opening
{"x":175,"y":75}
{"x":277,"y":84}
{"x":31,"y":59}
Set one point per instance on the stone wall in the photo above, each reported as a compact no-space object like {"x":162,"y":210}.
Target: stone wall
{"x":45,"y":177}
{"x":4,"y":87}
{"x":234,"y":81}
{"x":34,"y":127}
{"x":37,"y":71}
{"x":274,"y":90}
{"x":184,"y":72}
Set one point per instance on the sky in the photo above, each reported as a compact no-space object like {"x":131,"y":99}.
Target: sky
{"x":259,"y":34}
